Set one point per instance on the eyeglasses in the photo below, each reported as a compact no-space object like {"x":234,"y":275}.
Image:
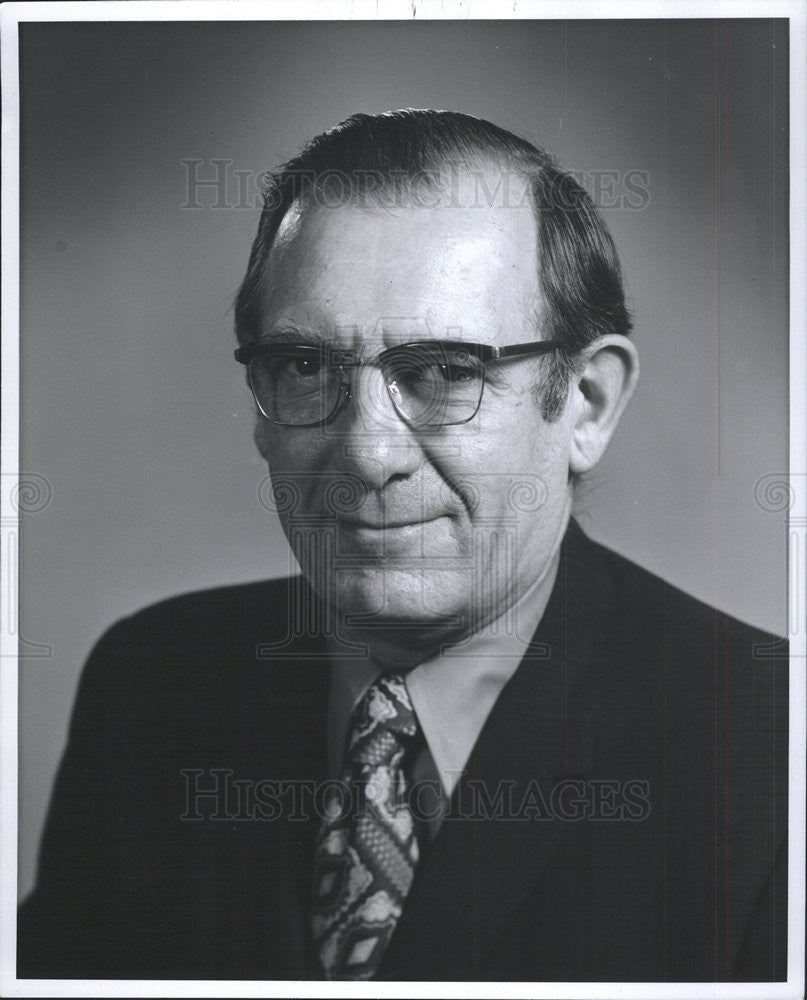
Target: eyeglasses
{"x":432,"y":383}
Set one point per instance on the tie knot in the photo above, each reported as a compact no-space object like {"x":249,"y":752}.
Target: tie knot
{"x":383,"y":722}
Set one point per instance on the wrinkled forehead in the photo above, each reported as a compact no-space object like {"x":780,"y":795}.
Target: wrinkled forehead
{"x":459,"y":256}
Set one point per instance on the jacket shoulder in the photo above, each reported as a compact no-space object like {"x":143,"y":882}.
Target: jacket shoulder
{"x":651,"y":605}
{"x":213,"y":607}
{"x":692,"y":673}
{"x":194,"y":646}
{"x":209,"y":619}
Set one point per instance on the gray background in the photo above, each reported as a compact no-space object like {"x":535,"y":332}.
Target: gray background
{"x":136,"y":416}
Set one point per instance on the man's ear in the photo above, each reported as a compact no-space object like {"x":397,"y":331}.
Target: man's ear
{"x":259,"y":435}
{"x":601,"y":391}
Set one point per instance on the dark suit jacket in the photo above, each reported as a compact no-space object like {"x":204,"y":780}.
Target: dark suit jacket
{"x":662,"y":721}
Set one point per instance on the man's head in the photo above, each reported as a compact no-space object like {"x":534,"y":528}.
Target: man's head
{"x":427,"y":227}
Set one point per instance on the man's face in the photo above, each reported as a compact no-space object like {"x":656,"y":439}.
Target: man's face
{"x":444,"y":526}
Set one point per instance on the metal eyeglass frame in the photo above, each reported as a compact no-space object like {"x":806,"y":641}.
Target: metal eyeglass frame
{"x":344,"y":360}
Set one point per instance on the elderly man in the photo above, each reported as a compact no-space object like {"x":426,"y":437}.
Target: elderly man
{"x":467,"y":743}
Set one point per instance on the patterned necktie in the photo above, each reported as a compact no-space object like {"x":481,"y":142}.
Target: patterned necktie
{"x":367,"y":848}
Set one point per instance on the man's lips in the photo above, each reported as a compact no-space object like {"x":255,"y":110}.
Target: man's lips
{"x":386,"y":524}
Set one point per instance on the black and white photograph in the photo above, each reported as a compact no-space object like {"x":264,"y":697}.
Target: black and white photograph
{"x":404,"y":500}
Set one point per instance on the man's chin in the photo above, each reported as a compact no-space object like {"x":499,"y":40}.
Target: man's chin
{"x":398,"y":599}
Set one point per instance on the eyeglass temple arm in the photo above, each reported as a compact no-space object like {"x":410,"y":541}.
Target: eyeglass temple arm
{"x":519,"y":350}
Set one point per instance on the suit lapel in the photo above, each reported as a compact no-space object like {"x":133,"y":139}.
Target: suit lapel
{"x":541,"y":729}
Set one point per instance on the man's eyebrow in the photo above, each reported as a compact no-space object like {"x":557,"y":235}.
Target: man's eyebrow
{"x":292,"y":334}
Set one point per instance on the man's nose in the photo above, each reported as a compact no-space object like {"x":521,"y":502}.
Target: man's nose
{"x":371,"y":439}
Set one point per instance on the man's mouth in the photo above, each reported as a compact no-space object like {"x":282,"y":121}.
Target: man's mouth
{"x":386,"y":524}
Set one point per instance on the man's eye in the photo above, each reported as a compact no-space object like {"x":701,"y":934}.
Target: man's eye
{"x":299,"y":365}
{"x":306,"y":366}
{"x":460,"y":374}
{"x":414,"y":368}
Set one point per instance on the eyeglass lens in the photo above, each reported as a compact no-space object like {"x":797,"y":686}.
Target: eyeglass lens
{"x":428,"y":386}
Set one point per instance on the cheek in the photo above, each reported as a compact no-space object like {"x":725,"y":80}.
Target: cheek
{"x":294,"y":459}
{"x":521,"y":454}
{"x":519,"y":481}
{"x":297,"y":449}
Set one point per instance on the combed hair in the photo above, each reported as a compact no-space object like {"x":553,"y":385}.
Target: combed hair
{"x":401,"y":152}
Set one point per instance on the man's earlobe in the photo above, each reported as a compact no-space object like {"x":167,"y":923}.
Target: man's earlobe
{"x":603,"y":386}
